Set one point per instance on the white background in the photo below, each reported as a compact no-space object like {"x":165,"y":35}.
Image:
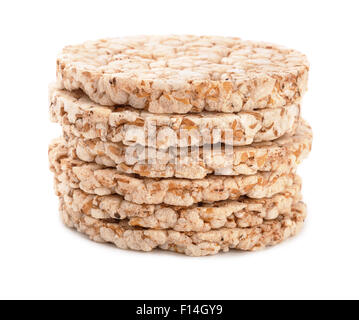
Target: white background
{"x":39,"y":258}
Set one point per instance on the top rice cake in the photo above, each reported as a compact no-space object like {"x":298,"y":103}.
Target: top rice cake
{"x":183,"y":74}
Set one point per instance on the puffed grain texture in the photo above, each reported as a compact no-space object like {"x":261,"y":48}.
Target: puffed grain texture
{"x":181,"y":74}
{"x":245,"y":212}
{"x":196,"y":164}
{"x":190,"y":243}
{"x":96,"y":179}
{"x":80,"y":117}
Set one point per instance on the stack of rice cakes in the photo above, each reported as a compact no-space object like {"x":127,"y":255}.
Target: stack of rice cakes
{"x":182,"y":143}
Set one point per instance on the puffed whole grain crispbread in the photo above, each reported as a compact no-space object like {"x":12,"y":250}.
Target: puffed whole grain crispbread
{"x":81,"y":117}
{"x":245,"y":212}
{"x":181,"y":74}
{"x":96,"y":179}
{"x":196,"y":164}
{"x":269,"y":233}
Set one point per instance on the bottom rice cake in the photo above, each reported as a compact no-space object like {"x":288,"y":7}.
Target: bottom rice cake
{"x":269,"y":233}
{"x":202,"y":217}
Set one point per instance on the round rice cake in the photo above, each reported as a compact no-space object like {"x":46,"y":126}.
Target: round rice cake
{"x":192,"y":163}
{"x":96,"y":179}
{"x":182,"y":74}
{"x":81,"y":117}
{"x":244,"y":213}
{"x":123,"y":236}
